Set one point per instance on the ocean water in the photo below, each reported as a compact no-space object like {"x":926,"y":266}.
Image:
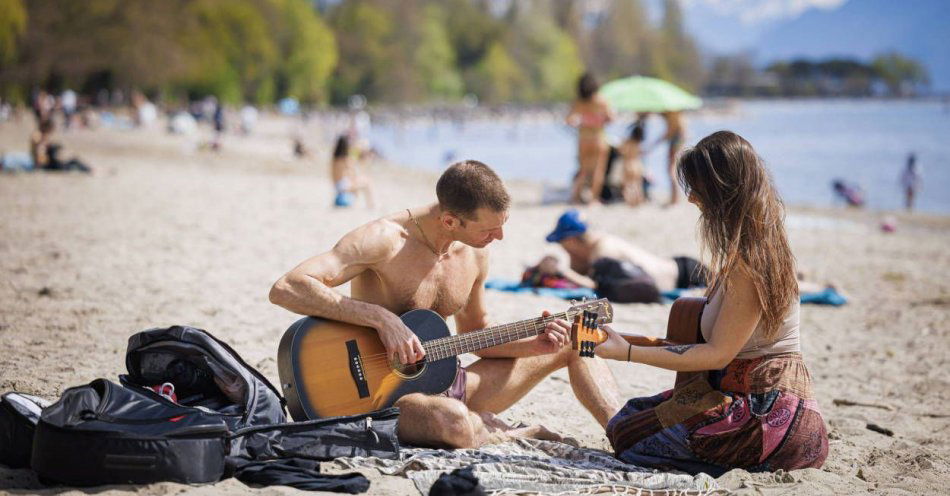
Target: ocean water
{"x":806,"y":145}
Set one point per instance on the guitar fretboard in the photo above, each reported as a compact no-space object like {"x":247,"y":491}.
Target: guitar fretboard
{"x":451,"y":346}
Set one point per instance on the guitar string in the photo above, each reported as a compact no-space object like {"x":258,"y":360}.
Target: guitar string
{"x":480,"y":339}
{"x":447,"y":344}
{"x":377,"y":367}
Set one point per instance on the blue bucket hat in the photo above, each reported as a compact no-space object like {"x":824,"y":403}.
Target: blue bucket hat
{"x":568,"y":224}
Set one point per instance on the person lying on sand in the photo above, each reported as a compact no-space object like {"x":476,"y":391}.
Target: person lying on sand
{"x":435,"y":257}
{"x":585,"y":246}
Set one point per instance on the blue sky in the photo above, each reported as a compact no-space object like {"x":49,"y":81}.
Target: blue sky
{"x":782,"y":29}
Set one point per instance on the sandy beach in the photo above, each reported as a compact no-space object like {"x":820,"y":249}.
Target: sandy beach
{"x":166,"y":233}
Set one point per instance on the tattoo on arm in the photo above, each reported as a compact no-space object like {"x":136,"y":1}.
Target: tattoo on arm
{"x":679,"y":349}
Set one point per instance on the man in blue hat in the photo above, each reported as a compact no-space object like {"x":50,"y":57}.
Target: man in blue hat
{"x":585,"y":246}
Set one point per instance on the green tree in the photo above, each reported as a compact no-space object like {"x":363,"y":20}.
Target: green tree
{"x":12,"y":25}
{"x":434,"y":57}
{"x":232,"y":53}
{"x":620,"y":43}
{"x":308,"y":52}
{"x":497,"y":77}
{"x":472,"y":30}
{"x":363,"y":33}
{"x":547,"y":55}
{"x":680,"y":61}
{"x":901,"y":74}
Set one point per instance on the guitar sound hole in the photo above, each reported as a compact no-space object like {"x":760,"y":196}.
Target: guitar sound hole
{"x":409,"y":371}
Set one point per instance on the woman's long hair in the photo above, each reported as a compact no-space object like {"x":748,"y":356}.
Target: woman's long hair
{"x":742,"y":220}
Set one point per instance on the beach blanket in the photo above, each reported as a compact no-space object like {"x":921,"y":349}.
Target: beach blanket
{"x":517,"y":287}
{"x":537,"y":467}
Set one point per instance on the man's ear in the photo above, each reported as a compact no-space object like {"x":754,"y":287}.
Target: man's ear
{"x":450,"y":221}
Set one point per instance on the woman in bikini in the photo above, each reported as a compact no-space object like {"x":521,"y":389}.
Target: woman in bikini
{"x":589,"y":114}
{"x":754,"y":408}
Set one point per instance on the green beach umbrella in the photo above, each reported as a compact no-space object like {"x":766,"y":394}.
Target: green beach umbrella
{"x":647,"y":94}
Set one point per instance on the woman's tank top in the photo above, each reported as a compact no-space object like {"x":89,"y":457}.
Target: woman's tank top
{"x":786,"y":340}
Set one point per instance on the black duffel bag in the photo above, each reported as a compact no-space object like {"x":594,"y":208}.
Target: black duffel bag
{"x":19,"y":414}
{"x":103,"y":433}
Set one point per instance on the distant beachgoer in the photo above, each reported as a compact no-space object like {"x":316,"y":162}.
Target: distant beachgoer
{"x":46,"y":153}
{"x":632,"y":185}
{"x":589,"y":114}
{"x":754,"y":409}
{"x":248,"y":116}
{"x":219,"y":125}
{"x":43,"y":104}
{"x":850,"y":193}
{"x":586,"y":247}
{"x":547,"y":274}
{"x":347,"y":181}
{"x":67,"y":103}
{"x":676,"y":135}
{"x":910,"y":181}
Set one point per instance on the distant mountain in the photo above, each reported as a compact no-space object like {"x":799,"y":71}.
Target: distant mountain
{"x":858,"y":28}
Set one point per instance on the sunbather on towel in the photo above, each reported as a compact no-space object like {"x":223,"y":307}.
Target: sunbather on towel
{"x":585,"y":246}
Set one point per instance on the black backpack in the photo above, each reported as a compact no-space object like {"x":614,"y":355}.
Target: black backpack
{"x":223,"y":419}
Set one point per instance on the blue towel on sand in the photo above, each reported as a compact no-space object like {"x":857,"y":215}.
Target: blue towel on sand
{"x":516,"y":287}
{"x":828,"y":296}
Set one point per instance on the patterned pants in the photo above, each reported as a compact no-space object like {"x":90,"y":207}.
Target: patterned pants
{"x":756,"y":414}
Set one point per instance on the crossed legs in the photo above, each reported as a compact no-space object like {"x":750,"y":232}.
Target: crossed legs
{"x":493,"y":385}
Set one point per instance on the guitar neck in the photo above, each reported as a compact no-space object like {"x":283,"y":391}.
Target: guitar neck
{"x":451,"y":346}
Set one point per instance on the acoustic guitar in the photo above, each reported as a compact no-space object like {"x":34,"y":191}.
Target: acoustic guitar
{"x":683,"y":327}
{"x":329,"y":368}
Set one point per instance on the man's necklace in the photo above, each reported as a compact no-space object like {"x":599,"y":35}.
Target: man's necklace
{"x":429,"y":244}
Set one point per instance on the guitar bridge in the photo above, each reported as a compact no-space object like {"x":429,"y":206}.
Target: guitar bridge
{"x":356,"y":368}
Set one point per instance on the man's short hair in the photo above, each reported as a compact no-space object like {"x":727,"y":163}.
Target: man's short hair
{"x":469,"y":185}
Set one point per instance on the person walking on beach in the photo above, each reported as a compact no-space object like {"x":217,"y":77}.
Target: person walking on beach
{"x":755,"y":408}
{"x":589,"y":114}
{"x":910,"y":181}
{"x":435,"y":257}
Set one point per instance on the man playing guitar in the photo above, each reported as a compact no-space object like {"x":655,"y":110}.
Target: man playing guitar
{"x":434,"y":257}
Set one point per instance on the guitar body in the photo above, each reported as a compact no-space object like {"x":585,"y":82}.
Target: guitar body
{"x":330,"y":368}
{"x":683,"y":327}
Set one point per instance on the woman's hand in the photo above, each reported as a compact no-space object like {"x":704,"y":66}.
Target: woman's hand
{"x":615,"y":348}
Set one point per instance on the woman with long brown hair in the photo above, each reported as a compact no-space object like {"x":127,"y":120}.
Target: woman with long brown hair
{"x":754,"y":409}
{"x":589,"y":114}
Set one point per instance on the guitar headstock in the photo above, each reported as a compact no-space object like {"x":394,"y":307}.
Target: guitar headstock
{"x":586,"y":333}
{"x":603,"y":312}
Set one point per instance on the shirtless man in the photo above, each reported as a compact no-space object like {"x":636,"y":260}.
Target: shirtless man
{"x":434,"y":257}
{"x":585,"y":245}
